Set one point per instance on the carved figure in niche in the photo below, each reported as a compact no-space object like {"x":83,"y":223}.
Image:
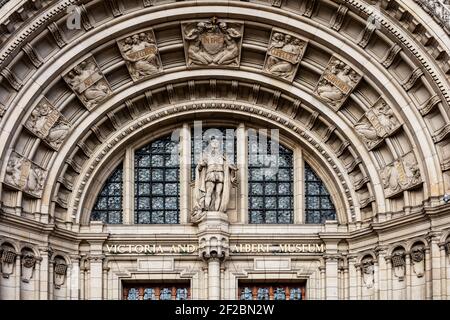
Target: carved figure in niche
{"x":377,"y":123}
{"x":418,"y":259}
{"x":402,"y":174}
{"x":60,"y":270}
{"x":213,"y":177}
{"x":28,"y":263}
{"x":212,"y":42}
{"x":368,"y":272}
{"x":141,"y":54}
{"x":7,"y":260}
{"x":16,"y":171}
{"x":284,"y":55}
{"x":88,"y":83}
{"x":398,"y":264}
{"x":336,"y":83}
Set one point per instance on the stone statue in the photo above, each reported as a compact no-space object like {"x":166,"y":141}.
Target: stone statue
{"x":283,"y":55}
{"x":368,"y":272}
{"x":141,"y":54}
{"x":213,"y":177}
{"x":212,"y":43}
{"x":88,"y":82}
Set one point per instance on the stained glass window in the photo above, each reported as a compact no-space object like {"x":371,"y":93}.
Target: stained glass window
{"x":272,"y":291}
{"x":279,"y":294}
{"x":262,"y":294}
{"x":270,"y":183}
{"x":155,"y":291}
{"x":296,"y":294}
{"x":200,"y":140}
{"x":108,"y":207}
{"x":318,"y":204}
{"x":149,"y":294}
{"x":182,"y":294}
{"x":157,"y":183}
{"x":166,"y":294}
{"x":133,"y":294}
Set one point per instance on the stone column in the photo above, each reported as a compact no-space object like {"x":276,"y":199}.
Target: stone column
{"x":353,"y":278}
{"x":46,"y":254}
{"x":408,"y":275}
{"x":128,"y":187}
{"x":96,"y":277}
{"x":382,"y":274}
{"x":323,"y":284}
{"x":213,"y":248}
{"x":331,"y":269}
{"x":73,"y":288}
{"x":185,"y":178}
{"x":241,"y":157}
{"x":389,"y":277}
{"x":443,"y":271}
{"x":428,"y":275}
{"x":435,"y":266}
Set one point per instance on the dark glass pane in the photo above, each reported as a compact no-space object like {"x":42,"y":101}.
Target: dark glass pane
{"x":318,"y":204}
{"x":149,"y":294}
{"x":263,"y":294}
{"x":270,"y":178}
{"x":246,"y":294}
{"x":108,"y":206}
{"x":165,"y":294}
{"x":157,"y":182}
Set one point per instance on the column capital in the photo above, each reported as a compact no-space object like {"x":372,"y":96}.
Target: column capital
{"x":96,"y":257}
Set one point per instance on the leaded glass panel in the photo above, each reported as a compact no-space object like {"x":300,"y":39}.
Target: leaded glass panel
{"x":108,"y":207}
{"x":157,"y":183}
{"x":246,"y":294}
{"x":270,"y":181}
{"x":296,"y":294}
{"x":262,"y":294}
{"x":149,"y":294}
{"x":318,"y":204}
{"x":133,"y":294}
{"x":182,"y":294}
{"x":279,"y":294}
{"x":166,"y":294}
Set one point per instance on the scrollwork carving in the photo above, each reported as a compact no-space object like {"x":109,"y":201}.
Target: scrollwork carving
{"x":283,"y":55}
{"x":88,"y":83}
{"x":212,"y":43}
{"x":336,"y":83}
{"x":141,"y":54}
{"x":48,"y":124}
{"x":377,"y":123}
{"x":400,"y":175}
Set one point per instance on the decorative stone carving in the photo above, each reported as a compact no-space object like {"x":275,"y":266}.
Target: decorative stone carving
{"x":88,"y":83}
{"x":212,"y":43}
{"x":24,"y":175}
{"x":399,"y":264}
{"x":447,"y":247}
{"x":336,"y":83}
{"x":213,"y":177}
{"x":211,"y":248}
{"x":60,"y":271}
{"x":7,"y":260}
{"x":48,"y":124}
{"x":141,"y":54}
{"x":368,"y":272}
{"x":28,"y":263}
{"x":284,"y":54}
{"x":418,"y":259}
{"x":400,"y":175}
{"x":377,"y":123}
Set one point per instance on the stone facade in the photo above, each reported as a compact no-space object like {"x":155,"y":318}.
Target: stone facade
{"x":359,"y":91}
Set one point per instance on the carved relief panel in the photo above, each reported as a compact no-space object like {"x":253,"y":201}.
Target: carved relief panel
{"x":377,"y":123}
{"x":400,"y":175}
{"x":24,"y":175}
{"x":47,"y":123}
{"x":141,"y":54}
{"x":60,"y":271}
{"x":399,"y":264}
{"x":284,"y":54}
{"x":88,"y":82}
{"x":336,"y":83}
{"x":212,"y":43}
{"x":368,"y":272}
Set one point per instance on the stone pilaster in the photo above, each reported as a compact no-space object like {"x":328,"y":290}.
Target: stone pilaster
{"x":46,"y":253}
{"x":331,"y":269}
{"x":96,"y":277}
{"x":435,"y":265}
{"x":382,"y":273}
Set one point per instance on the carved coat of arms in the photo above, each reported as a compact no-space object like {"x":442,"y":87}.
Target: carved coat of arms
{"x":212,"y":43}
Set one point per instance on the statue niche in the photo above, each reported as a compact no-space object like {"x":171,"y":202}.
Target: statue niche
{"x":214,"y":175}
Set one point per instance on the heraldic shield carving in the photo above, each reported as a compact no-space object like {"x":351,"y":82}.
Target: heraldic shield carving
{"x":212,"y":42}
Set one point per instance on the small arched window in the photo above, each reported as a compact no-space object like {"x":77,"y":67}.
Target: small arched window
{"x":318,"y":204}
{"x":108,"y":207}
